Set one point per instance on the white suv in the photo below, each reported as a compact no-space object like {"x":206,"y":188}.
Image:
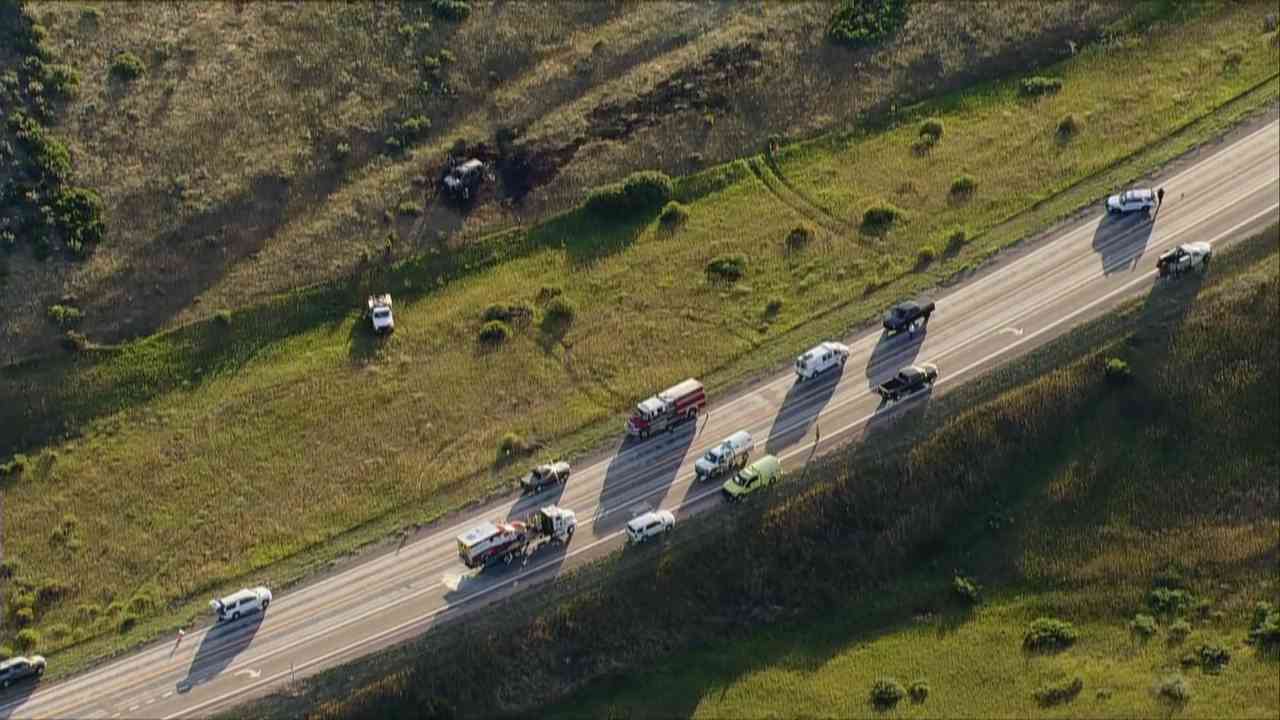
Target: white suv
{"x":1131,"y":201}
{"x":821,"y":358}
{"x":649,"y":524}
{"x":240,"y":603}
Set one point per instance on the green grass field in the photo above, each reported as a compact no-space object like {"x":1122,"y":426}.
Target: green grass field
{"x":1166,"y":482}
{"x":180,"y":441}
{"x":1139,"y":489}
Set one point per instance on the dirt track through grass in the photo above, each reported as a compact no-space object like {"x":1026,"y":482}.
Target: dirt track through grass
{"x":339,"y":438}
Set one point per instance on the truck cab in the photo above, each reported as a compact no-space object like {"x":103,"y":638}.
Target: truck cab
{"x":554,"y":522}
{"x":908,"y":380}
{"x":729,"y":455}
{"x":758,"y":475}
{"x":677,"y":404}
{"x":906,"y":314}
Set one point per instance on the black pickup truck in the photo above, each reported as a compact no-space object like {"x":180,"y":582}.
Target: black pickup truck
{"x":904,"y":314}
{"x":908,"y":380}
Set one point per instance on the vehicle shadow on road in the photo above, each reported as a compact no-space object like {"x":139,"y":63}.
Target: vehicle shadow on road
{"x":1121,"y":240}
{"x":219,"y":647}
{"x":12,"y":700}
{"x":800,"y":408}
{"x":653,"y":463}
{"x":892,"y":353}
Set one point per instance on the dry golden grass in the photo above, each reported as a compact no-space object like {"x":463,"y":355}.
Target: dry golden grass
{"x":191,"y":158}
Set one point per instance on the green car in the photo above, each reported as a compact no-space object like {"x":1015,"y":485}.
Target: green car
{"x":760,"y":474}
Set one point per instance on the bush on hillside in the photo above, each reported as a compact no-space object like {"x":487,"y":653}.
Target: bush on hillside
{"x":1264,"y":631}
{"x":887,"y":692}
{"x":773,"y":307}
{"x":1174,"y":690}
{"x":956,"y":240}
{"x":1179,"y":631}
{"x":880,"y":217}
{"x":674,"y":214}
{"x":127,"y":67}
{"x":1039,"y":86}
{"x":1170,"y":601}
{"x":926,"y":256}
{"x":513,"y":445}
{"x":966,"y":589}
{"x":919,"y":691}
{"x":26,"y":640}
{"x":514,"y":313}
{"x":560,"y":311}
{"x":1069,"y":126}
{"x":860,"y":23}
{"x":932,"y":128}
{"x":923,"y":145}
{"x":1059,"y":692}
{"x":74,"y":342}
{"x":641,"y":191}
{"x":964,"y":186}
{"x":452,"y":10}
{"x":65,"y":315}
{"x":727,"y":268}
{"x":1211,"y":658}
{"x":800,"y":237}
{"x":1048,"y":634}
{"x":1117,"y":371}
{"x":1142,"y":626}
{"x":495,"y":332}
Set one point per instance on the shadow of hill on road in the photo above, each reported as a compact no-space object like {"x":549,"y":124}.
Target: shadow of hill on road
{"x":1121,"y":240}
{"x":218,"y":649}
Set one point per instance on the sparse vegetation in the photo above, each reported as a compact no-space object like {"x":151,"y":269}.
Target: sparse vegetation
{"x":800,"y":237}
{"x":932,"y":129}
{"x":1040,"y":86}
{"x":1174,"y":690}
{"x":957,"y":238}
{"x":880,"y":217}
{"x":1143,"y":626}
{"x":1048,"y":634}
{"x":964,"y":186}
{"x":674,"y":214}
{"x":887,"y":692}
{"x":127,"y":67}
{"x":495,"y":332}
{"x":1060,"y":692}
{"x":925,"y":257}
{"x":919,"y":691}
{"x":1069,"y":126}
{"x":517,"y":313}
{"x":1264,"y":631}
{"x":727,"y":268}
{"x":65,"y":315}
{"x":966,"y":589}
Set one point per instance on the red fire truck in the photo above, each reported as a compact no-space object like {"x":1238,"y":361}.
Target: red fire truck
{"x":667,"y":409}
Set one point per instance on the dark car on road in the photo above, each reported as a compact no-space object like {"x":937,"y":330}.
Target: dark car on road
{"x":908,"y":380}
{"x":903,"y":315}
{"x":20,"y":668}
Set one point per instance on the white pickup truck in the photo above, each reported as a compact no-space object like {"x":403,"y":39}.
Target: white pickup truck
{"x":1185,"y":257}
{"x":379,"y":313}
{"x":729,"y":456}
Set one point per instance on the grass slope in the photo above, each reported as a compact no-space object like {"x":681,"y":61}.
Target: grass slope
{"x":1165,"y":481}
{"x":221,"y":168}
{"x":289,"y":406}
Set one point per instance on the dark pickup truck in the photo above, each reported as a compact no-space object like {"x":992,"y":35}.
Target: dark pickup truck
{"x":543,"y":475}
{"x":908,"y":380}
{"x":904,"y":314}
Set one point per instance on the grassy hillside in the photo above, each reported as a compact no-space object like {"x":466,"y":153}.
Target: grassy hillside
{"x":247,"y":149}
{"x":345,"y":438}
{"x":1063,"y":487}
{"x":1165,"y":480}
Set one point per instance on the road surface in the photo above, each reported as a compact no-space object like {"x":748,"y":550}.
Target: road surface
{"x":1025,"y":300}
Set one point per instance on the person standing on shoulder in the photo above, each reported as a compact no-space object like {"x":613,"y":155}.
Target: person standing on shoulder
{"x":1159,"y":198}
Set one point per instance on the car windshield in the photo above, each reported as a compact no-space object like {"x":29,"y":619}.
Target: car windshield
{"x":380,"y":314}
{"x":713,"y":454}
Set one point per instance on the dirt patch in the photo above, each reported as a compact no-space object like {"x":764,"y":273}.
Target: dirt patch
{"x":703,"y":88}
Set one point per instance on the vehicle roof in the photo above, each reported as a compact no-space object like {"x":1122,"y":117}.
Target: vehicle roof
{"x":239,"y":595}
{"x":470,"y":166}
{"x":1138,"y":194}
{"x":766,"y":464}
{"x":651,"y":405}
{"x":820,"y":348}
{"x":911,"y":371}
{"x":640,"y":521}
{"x":742,"y":437}
{"x":478,"y":533}
{"x":907,"y":305}
{"x":681,"y":389}
{"x":1201,"y":246}
{"x":13,"y":661}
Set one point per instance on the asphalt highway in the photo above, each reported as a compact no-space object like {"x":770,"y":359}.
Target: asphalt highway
{"x":1025,"y":299}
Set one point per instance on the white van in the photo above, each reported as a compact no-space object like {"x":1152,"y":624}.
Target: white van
{"x":241,"y":603}
{"x":821,"y":358}
{"x":645,"y":526}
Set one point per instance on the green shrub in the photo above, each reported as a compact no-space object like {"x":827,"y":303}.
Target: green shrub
{"x":860,"y":23}
{"x":932,"y":129}
{"x":222,"y":317}
{"x":1117,"y":371}
{"x":560,"y":311}
{"x":956,"y":240}
{"x":919,"y":691}
{"x":9,"y":567}
{"x":880,"y":217}
{"x":1143,"y":626}
{"x":412,"y":129}
{"x":27,"y":640}
{"x":75,"y":342}
{"x":923,"y":145}
{"x":341,"y":151}
{"x":495,"y":332}
{"x":1232,"y":59}
{"x":1069,"y":125}
{"x":546,"y":292}
{"x":1179,"y":631}
{"x":773,"y":307}
{"x":1168,"y":601}
{"x":453,"y":10}
{"x":925,"y":256}
{"x":727,"y":268}
{"x":1038,"y":86}
{"x":1264,"y":631}
{"x":1059,"y":692}
{"x":964,"y":186}
{"x":800,"y":237}
{"x":58,"y":632}
{"x":409,"y":208}
{"x":24,"y":616}
{"x":78,"y":214}
{"x":673,"y":215}
{"x":1049,"y":634}
{"x":61,"y":80}
{"x":887,"y":692}
{"x":6,"y":652}
{"x":65,"y":315}
{"x":513,"y":445}
{"x":128,"y":622}
{"x":1174,"y":689}
{"x":127,"y":67}
{"x":966,"y":589}
{"x":1212,"y":658}
{"x":640,"y":191}
{"x":514,"y":313}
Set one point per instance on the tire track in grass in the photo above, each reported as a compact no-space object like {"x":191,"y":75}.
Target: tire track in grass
{"x":793,"y":200}
{"x":771,"y":166}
